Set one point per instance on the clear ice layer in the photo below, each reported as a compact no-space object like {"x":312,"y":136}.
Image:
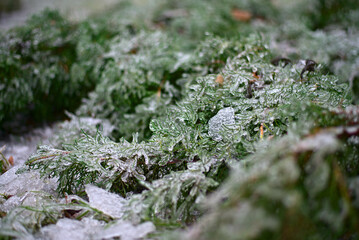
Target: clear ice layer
{"x":223,"y":120}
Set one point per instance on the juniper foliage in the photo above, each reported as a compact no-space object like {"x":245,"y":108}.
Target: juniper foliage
{"x":226,"y":141}
{"x":176,"y":150}
{"x":298,"y":182}
{"x":35,"y":62}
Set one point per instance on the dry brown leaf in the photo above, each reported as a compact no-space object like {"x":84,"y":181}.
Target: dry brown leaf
{"x":220,"y":79}
{"x":11,"y":160}
{"x":254,"y":74}
{"x":241,"y":15}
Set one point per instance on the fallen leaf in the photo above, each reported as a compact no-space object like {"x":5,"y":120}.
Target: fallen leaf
{"x":254,"y":74}
{"x":220,"y":79}
{"x":11,"y":160}
{"x":241,"y":15}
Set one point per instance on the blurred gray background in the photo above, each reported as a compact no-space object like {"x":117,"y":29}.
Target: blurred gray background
{"x":15,"y":12}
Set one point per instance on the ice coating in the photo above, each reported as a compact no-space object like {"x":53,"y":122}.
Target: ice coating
{"x":20,"y":188}
{"x":12,"y":184}
{"x":20,"y":147}
{"x":10,"y":204}
{"x":224,"y":118}
{"x":8,"y":176}
{"x":126,"y":231}
{"x":109,"y":203}
{"x":87,"y":228}
{"x":72,"y":229}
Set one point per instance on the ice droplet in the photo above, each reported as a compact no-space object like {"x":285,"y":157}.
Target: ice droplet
{"x":218,"y":123}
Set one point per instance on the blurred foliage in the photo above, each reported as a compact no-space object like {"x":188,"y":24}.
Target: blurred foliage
{"x":299,"y":187}
{"x":5,"y":164}
{"x":49,"y":64}
{"x":247,"y":100}
{"x":137,"y":82}
{"x":35,"y":64}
